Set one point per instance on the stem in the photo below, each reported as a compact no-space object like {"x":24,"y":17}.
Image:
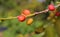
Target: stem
{"x":44,"y":11}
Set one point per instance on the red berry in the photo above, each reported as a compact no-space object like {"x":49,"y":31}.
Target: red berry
{"x":26,"y":12}
{"x":51,"y":7}
{"x":21,"y":18}
{"x":57,"y":14}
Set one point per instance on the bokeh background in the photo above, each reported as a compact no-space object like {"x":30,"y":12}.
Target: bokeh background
{"x":13,"y":8}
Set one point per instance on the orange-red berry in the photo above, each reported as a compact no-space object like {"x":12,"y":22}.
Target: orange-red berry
{"x":26,"y":12}
{"x":21,"y":18}
{"x":29,"y":21}
{"x":51,"y":7}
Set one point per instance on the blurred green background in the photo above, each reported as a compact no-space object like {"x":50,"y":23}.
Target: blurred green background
{"x":13,"y":8}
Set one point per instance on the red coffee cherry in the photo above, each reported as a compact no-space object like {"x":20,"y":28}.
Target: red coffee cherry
{"x":51,"y":7}
{"x":26,"y":12}
{"x":57,"y":14}
{"x":21,"y":18}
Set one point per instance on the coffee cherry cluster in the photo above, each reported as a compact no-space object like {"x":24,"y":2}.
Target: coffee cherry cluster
{"x":51,"y":7}
{"x":22,"y":17}
{"x":26,"y":12}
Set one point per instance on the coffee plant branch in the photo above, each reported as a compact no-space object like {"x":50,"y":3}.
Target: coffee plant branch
{"x":36,"y":13}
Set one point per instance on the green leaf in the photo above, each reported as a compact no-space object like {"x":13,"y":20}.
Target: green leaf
{"x":37,"y":24}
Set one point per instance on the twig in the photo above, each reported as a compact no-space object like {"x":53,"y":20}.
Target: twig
{"x":44,"y":11}
{"x":8,"y":18}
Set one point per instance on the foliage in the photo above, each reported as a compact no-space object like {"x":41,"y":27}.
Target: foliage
{"x":12,"y":8}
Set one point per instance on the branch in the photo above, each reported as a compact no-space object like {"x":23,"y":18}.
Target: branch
{"x":36,"y":13}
